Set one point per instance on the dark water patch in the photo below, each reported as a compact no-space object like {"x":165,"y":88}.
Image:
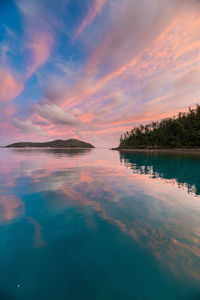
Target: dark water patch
{"x":182,"y":167}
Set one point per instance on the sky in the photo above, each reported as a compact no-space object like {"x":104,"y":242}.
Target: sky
{"x":93,"y":69}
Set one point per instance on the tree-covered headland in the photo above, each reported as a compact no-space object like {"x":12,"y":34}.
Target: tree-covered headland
{"x":182,"y":131}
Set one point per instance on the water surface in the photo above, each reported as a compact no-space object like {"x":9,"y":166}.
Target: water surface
{"x":99,"y":224}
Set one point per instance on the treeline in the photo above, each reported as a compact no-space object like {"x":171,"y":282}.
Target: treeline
{"x":182,"y":131}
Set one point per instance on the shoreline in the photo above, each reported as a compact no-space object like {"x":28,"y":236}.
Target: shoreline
{"x":183,"y":150}
{"x":66,"y":148}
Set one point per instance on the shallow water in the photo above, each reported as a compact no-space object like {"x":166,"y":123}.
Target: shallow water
{"x":97,"y":224}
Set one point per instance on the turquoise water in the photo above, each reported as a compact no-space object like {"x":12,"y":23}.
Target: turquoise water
{"x":97,"y":224}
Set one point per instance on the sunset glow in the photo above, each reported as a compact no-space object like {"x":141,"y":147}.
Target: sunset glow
{"x":93,"y":69}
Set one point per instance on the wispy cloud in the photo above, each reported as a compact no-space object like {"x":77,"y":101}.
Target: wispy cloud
{"x":39,"y":36}
{"x":93,"y":12}
{"x":10,"y":87}
{"x":40,"y":45}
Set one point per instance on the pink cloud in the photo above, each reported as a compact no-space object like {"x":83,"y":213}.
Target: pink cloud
{"x":93,"y":12}
{"x":40,"y":46}
{"x":39,"y":36}
{"x":10,"y":86}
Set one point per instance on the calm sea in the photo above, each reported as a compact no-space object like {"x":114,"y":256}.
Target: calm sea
{"x":97,"y":224}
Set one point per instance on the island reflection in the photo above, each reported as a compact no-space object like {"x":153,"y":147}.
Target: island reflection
{"x":59,"y":151}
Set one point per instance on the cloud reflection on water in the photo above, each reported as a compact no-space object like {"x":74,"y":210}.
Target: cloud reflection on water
{"x":160,"y":217}
{"x":11,"y":207}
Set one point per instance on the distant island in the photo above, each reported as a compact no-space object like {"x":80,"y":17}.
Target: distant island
{"x":180,"y":132}
{"x":71,"y":143}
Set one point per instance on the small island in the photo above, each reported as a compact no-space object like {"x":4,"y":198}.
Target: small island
{"x":71,"y":143}
{"x":180,"y":132}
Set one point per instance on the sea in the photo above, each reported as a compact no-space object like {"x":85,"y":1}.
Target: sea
{"x":97,"y":224}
